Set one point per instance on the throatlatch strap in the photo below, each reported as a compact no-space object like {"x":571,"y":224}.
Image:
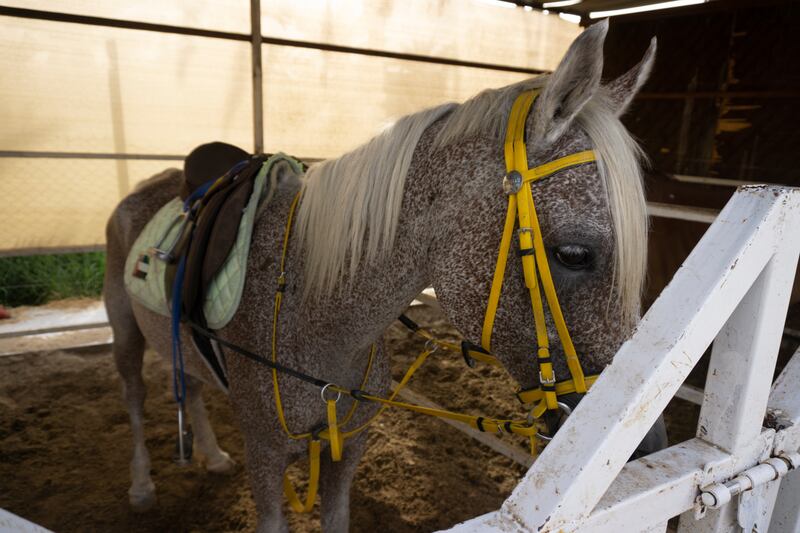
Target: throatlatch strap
{"x":499,"y":273}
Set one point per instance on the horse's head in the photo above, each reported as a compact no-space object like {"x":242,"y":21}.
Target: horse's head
{"x":592,"y":215}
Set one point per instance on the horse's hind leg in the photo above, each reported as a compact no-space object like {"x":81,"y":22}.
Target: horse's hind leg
{"x":335,"y":481}
{"x":205,"y":440}
{"x":128,"y":351}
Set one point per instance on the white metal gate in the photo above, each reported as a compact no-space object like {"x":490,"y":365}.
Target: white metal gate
{"x":732,"y":290}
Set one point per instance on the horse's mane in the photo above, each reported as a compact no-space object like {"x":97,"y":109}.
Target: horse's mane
{"x":357,"y":197}
{"x":351,"y":204}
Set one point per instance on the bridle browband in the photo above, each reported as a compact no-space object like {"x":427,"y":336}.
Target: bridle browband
{"x":522,"y":212}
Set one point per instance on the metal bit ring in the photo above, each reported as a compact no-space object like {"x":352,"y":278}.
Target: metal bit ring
{"x":429,"y":343}
{"x":325,"y":388}
{"x":567,"y":410}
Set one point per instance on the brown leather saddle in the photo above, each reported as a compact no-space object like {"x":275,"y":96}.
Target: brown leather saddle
{"x":218,"y":213}
{"x":227,"y":175}
{"x":208,"y":162}
{"x":219,"y":182}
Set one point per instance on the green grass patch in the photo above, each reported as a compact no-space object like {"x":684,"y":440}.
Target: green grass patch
{"x":37,"y":279}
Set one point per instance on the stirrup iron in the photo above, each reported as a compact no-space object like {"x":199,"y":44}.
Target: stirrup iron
{"x":183,"y":445}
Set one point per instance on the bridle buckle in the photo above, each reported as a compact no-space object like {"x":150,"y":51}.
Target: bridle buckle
{"x":543,"y":381}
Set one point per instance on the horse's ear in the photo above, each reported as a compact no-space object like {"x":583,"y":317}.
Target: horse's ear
{"x":622,"y":90}
{"x":573,"y":83}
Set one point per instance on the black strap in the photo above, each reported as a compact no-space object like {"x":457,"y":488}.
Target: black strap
{"x":551,"y":420}
{"x":476,"y":348}
{"x":257,"y":358}
{"x":467,"y":347}
{"x":407,"y":322}
{"x":358,"y":394}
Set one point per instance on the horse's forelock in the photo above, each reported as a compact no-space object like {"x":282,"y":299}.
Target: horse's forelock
{"x":620,"y":163}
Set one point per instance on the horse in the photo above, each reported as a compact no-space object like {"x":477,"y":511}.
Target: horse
{"x":419,"y":205}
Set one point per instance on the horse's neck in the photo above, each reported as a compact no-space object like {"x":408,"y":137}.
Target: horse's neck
{"x":357,"y":314}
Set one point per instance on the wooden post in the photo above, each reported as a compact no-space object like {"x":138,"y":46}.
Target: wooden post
{"x":258,"y":95}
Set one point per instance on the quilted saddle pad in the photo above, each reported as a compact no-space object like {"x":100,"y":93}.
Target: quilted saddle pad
{"x":148,"y":279}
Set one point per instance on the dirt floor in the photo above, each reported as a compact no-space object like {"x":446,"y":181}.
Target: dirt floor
{"x":65,"y":447}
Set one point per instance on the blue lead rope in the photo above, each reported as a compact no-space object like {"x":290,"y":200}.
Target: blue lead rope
{"x":178,"y":374}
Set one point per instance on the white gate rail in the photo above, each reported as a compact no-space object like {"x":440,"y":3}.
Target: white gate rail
{"x":734,"y":287}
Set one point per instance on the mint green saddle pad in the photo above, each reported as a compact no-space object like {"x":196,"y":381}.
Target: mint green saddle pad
{"x":153,"y":286}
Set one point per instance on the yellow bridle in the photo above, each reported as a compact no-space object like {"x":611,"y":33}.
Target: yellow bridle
{"x":521,"y":209}
{"x":517,"y":185}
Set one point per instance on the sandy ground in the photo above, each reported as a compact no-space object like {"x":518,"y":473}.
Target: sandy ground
{"x":65,"y":447}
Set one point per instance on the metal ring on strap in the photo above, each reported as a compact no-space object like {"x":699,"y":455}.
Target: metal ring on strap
{"x":429,"y":343}
{"x":325,"y":388}
{"x":567,"y":411}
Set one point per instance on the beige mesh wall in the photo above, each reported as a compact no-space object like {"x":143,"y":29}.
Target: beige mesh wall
{"x":77,"y":88}
{"x":74,"y":88}
{"x":223,"y":15}
{"x":470,"y":30}
{"x":321,"y":103}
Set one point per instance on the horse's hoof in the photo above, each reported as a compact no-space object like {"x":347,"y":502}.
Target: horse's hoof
{"x":142,"y":501}
{"x":222,"y":464}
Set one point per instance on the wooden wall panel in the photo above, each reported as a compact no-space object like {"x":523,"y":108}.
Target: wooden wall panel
{"x":724,"y":98}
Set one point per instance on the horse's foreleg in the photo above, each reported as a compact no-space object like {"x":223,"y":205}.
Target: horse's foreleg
{"x":216,"y":460}
{"x":335,"y":481}
{"x":265,"y":466}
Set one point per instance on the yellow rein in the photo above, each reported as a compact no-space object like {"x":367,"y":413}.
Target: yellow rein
{"x":333,"y":432}
{"x":534,"y":260}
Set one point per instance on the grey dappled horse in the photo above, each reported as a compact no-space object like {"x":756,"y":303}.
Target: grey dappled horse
{"x":420,"y":205}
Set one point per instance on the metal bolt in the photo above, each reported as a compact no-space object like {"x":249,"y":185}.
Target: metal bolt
{"x":512,"y":183}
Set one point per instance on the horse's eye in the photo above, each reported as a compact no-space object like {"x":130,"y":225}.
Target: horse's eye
{"x":574,"y":256}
